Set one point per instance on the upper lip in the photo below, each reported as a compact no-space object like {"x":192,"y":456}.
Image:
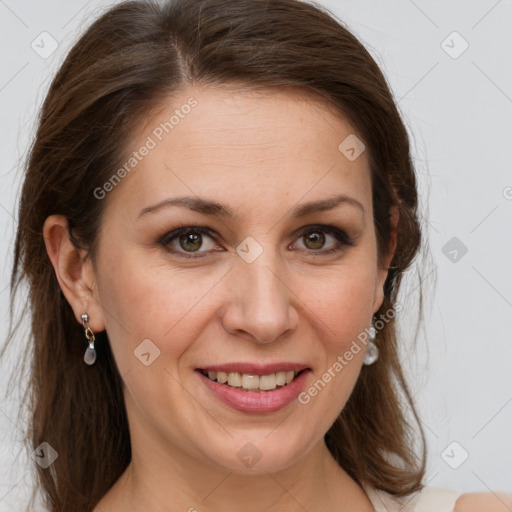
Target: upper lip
{"x":254,"y":368}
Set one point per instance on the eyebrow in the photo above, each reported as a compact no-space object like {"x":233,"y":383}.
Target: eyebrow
{"x":213,"y":208}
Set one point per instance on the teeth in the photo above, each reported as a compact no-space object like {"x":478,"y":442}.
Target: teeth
{"x":235,"y":380}
{"x":281,"y":378}
{"x":222,"y":377}
{"x":248,"y":382}
{"x":268,"y":382}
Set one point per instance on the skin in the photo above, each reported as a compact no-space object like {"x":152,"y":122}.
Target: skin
{"x":262,"y":154}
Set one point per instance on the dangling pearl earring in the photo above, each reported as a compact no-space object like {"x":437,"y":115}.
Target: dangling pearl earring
{"x":90,"y":353}
{"x":372,"y":351}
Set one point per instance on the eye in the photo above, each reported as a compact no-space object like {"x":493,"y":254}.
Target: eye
{"x":315,"y":238}
{"x":187,"y":240}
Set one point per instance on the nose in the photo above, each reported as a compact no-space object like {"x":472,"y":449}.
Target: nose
{"x":260,"y":303}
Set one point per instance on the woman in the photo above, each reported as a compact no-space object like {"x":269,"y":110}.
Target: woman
{"x":220,"y":202}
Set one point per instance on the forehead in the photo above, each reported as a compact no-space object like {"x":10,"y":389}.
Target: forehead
{"x":239,"y":145}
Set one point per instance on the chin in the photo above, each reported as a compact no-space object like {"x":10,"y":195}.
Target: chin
{"x":259,"y":454}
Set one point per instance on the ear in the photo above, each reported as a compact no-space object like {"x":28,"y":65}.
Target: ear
{"x":76,"y":278}
{"x":382,"y":272}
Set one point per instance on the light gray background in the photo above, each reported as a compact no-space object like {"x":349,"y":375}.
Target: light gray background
{"x":458,"y":109}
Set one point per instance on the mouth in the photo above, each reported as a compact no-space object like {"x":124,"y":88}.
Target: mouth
{"x":253,"y":388}
{"x":253,"y":382}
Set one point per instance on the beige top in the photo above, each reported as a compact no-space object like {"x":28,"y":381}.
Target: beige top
{"x":429,"y":499}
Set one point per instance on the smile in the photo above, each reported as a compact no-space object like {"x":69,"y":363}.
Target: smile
{"x":253,"y":388}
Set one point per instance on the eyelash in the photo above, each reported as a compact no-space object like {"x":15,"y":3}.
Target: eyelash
{"x":340,"y":235}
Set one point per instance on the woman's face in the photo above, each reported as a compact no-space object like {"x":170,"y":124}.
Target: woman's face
{"x":253,"y":287}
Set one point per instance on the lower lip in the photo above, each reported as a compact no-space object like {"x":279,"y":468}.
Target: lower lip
{"x":256,"y":402}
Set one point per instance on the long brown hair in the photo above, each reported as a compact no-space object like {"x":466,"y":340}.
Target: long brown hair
{"x":128,"y":60}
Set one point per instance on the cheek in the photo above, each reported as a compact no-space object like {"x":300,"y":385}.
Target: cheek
{"x":343,"y":310}
{"x":143,"y":301}
{"x":343,"y":300}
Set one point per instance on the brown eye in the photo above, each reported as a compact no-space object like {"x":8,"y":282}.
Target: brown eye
{"x":190,"y":242}
{"x":316,"y":237}
{"x":314,"y":240}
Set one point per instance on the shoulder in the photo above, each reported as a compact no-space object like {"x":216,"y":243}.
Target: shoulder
{"x":484,"y":502}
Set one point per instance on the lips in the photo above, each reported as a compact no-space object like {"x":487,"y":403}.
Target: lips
{"x":254,"y":388}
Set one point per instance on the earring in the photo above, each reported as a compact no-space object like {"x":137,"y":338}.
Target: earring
{"x":90,"y":352}
{"x":372,"y":351}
